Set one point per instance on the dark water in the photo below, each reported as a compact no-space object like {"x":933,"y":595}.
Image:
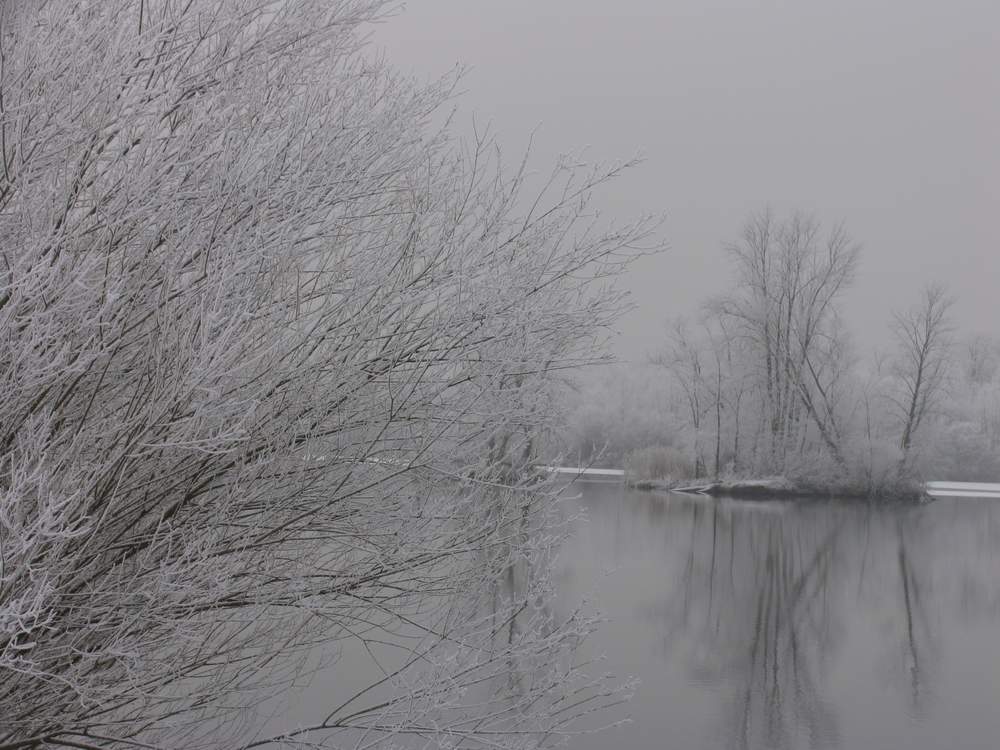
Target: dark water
{"x":786,"y":625}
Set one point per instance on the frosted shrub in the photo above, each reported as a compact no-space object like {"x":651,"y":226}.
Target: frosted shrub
{"x":658,"y":462}
{"x":267,"y":342}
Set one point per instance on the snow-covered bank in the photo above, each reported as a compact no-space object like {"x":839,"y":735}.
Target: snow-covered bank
{"x":774,"y":487}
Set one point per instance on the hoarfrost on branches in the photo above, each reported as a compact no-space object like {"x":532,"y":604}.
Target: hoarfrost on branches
{"x":275,"y":357}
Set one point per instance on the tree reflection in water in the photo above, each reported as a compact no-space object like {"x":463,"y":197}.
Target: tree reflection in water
{"x":796,"y":624}
{"x":914,"y":633}
{"x":754,"y":606}
{"x":759,"y":605}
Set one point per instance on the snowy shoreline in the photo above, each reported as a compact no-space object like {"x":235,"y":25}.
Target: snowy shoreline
{"x":770,"y":487}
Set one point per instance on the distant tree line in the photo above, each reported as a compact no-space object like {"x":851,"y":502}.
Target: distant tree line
{"x":765,"y":381}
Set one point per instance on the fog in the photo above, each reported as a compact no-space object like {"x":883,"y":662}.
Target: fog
{"x":882,"y":116}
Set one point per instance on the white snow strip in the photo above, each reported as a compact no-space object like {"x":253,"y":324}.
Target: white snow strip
{"x":583,"y":472}
{"x":962,"y":487}
{"x":963,"y":493}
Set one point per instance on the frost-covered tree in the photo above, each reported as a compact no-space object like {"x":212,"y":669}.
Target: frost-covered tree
{"x":686,"y":362}
{"x":768,"y":373}
{"x":790,"y":276}
{"x":923,"y":340}
{"x":263,"y":331}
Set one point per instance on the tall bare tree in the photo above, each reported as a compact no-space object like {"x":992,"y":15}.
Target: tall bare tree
{"x":728,"y":384}
{"x":923,"y":339}
{"x":684,"y":360}
{"x":789,"y":279}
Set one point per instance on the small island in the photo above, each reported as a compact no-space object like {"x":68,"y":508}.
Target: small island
{"x":775,"y":488}
{"x":764,"y":390}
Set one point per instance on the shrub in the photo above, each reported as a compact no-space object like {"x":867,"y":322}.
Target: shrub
{"x":658,"y":462}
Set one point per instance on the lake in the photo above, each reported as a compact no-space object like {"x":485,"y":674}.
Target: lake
{"x":791,"y":624}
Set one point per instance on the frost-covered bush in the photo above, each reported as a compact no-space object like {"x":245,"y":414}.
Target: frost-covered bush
{"x":659,"y":462}
{"x":961,"y":452}
{"x":267,"y":341}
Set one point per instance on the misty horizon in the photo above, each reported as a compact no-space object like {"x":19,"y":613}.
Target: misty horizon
{"x":878,"y":118}
{"x":550,"y":373}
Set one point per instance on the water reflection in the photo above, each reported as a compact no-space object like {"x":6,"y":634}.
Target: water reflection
{"x":795,"y":625}
{"x":757,"y":608}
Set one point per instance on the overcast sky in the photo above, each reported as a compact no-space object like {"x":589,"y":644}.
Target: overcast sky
{"x":883,"y":113}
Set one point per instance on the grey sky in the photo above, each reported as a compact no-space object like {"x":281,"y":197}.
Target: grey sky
{"x":885,"y":114}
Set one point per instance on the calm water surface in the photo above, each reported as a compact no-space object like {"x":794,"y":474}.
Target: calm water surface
{"x":792,"y":625}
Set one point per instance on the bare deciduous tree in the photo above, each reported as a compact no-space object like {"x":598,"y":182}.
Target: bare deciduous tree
{"x":684,"y":360}
{"x":789,"y":278}
{"x":260,"y":326}
{"x":923,"y":338}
